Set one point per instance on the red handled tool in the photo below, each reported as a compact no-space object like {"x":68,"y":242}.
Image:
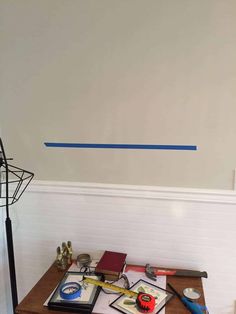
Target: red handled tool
{"x":152,"y":272}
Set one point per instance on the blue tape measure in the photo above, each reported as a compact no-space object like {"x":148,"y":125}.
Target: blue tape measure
{"x":70,"y":290}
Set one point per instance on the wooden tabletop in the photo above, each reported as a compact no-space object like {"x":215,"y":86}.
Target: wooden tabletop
{"x":33,"y":302}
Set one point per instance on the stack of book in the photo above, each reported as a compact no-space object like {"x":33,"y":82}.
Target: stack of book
{"x":111,"y":265}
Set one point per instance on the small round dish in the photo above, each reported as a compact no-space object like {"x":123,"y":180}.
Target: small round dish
{"x":83,"y":260}
{"x":192,"y":294}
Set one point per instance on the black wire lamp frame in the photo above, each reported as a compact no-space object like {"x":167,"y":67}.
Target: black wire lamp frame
{"x":18,"y":179}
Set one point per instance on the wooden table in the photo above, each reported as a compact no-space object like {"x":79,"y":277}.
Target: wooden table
{"x":33,"y":302}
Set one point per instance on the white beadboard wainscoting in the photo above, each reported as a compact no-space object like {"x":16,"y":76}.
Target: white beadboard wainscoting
{"x":173,"y":227}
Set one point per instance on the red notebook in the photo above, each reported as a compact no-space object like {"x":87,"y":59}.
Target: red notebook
{"x":111,"y":264}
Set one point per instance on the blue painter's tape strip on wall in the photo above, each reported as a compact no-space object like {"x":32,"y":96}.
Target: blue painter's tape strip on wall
{"x":120,"y":146}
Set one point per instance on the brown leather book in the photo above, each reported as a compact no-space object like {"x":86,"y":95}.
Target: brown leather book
{"x":111,"y":264}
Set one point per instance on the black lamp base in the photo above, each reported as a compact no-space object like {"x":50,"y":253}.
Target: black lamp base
{"x":11,"y":261}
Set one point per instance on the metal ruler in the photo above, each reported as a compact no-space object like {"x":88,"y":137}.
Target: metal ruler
{"x":110,"y":286}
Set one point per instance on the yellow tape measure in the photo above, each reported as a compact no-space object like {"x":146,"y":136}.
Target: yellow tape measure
{"x":110,"y":286}
{"x":145,"y":302}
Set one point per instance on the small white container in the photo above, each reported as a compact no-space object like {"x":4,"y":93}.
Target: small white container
{"x":192,"y":294}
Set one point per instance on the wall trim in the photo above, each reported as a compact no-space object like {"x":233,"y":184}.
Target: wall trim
{"x":134,"y":191}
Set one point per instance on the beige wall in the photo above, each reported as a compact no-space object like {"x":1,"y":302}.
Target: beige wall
{"x":115,"y":71}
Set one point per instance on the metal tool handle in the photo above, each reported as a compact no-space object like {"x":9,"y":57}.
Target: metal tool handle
{"x":191,"y":273}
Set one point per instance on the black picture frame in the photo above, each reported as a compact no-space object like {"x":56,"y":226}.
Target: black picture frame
{"x":164,"y":297}
{"x":82,"y":304}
